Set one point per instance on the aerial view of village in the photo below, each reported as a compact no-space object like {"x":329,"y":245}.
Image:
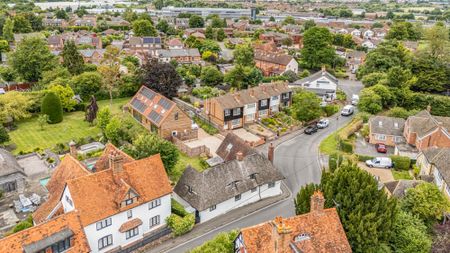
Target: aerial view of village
{"x":213,"y":126}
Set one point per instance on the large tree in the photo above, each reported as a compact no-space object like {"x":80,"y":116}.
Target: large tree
{"x":317,"y":48}
{"x":409,"y":234}
{"x":306,"y":106}
{"x":366,"y":213}
{"x":21,"y":24}
{"x":14,"y":106}
{"x":31,"y":58}
{"x":196,"y":21}
{"x":242,"y":77}
{"x":161,"y":77}
{"x":303,"y":200}
{"x":143,"y":27}
{"x":438,"y":39}
{"x":244,"y":55}
{"x":86,"y":84}
{"x":72,"y":59}
{"x":91,"y":111}
{"x":211,"y":76}
{"x":433,"y":74}
{"x":8,"y":30}
{"x":110,"y":70}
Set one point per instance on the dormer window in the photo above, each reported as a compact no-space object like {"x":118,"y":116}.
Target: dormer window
{"x":302,"y":237}
{"x":129,"y":199}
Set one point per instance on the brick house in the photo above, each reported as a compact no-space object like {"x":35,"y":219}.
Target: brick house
{"x":272,"y":64}
{"x":233,"y":110}
{"x":144,"y":43}
{"x":183,"y":56}
{"x":93,"y":56}
{"x":386,"y":130}
{"x":424,"y":130}
{"x":434,"y":162}
{"x":159,"y":114}
{"x":320,"y":230}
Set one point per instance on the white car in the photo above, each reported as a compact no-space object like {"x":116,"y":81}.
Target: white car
{"x":323,"y":123}
{"x":355,"y":99}
{"x":347,"y":110}
{"x":380,"y":162}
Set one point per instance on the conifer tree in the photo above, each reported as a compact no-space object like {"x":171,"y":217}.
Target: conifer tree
{"x":72,"y":59}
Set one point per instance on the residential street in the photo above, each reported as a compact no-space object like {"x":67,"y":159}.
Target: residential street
{"x":297,"y":158}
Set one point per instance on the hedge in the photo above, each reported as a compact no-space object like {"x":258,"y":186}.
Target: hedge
{"x":51,"y":105}
{"x":178,"y":209}
{"x":346,"y":146}
{"x":401,"y":162}
{"x":330,"y":109}
{"x":350,"y":129}
{"x":180,"y":225}
{"x":363,"y":158}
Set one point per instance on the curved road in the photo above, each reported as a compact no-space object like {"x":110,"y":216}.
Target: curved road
{"x":297,"y":159}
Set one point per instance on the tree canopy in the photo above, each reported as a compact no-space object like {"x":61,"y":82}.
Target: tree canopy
{"x":72,"y":59}
{"x":143,"y":27}
{"x":306,"y":106}
{"x":317,"y":48}
{"x":161,"y":77}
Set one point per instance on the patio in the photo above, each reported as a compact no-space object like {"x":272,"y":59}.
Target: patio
{"x":210,"y":141}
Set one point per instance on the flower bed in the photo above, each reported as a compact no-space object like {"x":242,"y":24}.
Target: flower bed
{"x":280,"y":122}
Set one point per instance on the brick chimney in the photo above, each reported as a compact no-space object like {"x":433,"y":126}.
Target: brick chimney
{"x":73,"y":149}
{"x":317,"y":202}
{"x":116,"y":162}
{"x":282,"y":234}
{"x":239,"y":156}
{"x":270,"y":152}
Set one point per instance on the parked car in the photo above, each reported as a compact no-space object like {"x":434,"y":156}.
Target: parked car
{"x":381,"y":148}
{"x":355,"y":99}
{"x":323,"y":123}
{"x":380,"y":162}
{"x":311,"y":129}
{"x":347,"y":110}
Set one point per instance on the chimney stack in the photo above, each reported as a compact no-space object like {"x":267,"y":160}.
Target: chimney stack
{"x":282,"y":233}
{"x":116,"y":162}
{"x":317,"y":202}
{"x":73,"y":149}
{"x":239,"y":156}
{"x":270,"y":153}
{"x":323,"y":69}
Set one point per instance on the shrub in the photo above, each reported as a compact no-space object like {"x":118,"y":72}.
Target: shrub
{"x":363,"y":158}
{"x":350,"y":129}
{"x":365,"y":131}
{"x":180,"y":225}
{"x":206,"y":126}
{"x":28,"y":223}
{"x":330,"y":109}
{"x":178,"y":209}
{"x":223,"y":242}
{"x":401,"y":162}
{"x":51,"y":105}
{"x":4,"y":136}
{"x":340,"y":95}
{"x":80,"y":107}
{"x":346,"y":146}
{"x":334,"y":161}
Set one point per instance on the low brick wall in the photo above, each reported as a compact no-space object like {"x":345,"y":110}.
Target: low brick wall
{"x":191,"y":152}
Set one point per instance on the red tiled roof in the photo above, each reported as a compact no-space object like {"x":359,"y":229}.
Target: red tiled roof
{"x":103,"y":161}
{"x":130,"y":225}
{"x":69,"y":168}
{"x":312,"y":232}
{"x":15,"y":243}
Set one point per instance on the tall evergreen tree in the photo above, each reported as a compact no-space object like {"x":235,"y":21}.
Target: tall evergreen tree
{"x":72,"y":59}
{"x":303,"y":199}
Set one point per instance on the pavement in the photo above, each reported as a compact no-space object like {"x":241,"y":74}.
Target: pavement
{"x":385,"y":175}
{"x":297,"y":156}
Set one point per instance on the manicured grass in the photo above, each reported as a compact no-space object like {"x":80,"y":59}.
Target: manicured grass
{"x":28,"y":136}
{"x":401,"y":174}
{"x":183,"y":161}
{"x":329,"y":145}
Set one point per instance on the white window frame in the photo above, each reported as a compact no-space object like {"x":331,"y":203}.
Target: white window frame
{"x":438,"y":180}
{"x":264,"y":112}
{"x":105,"y":241}
{"x":271,"y":185}
{"x":233,"y":122}
{"x":103,"y":223}
{"x":212,"y":208}
{"x":264,"y":102}
{"x":274,"y":98}
{"x":250,"y":106}
{"x":237,"y":197}
{"x":380,"y":137}
{"x":130,"y":214}
{"x":236,"y":111}
{"x":227,"y":112}
{"x":154,"y":203}
{"x":132,"y":233}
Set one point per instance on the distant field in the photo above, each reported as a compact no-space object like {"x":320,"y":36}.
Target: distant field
{"x":28,"y":136}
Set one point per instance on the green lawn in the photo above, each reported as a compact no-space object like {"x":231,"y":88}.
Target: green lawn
{"x":401,"y":174}
{"x":184,"y":160}
{"x":28,"y":136}
{"x":329,"y":145}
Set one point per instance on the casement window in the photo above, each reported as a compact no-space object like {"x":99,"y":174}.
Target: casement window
{"x":212,"y":208}
{"x":154,"y":203}
{"x":237,"y":197}
{"x":271,"y":185}
{"x":274,"y":98}
{"x":176,"y":116}
{"x":236,"y":111}
{"x":250,"y":106}
{"x":380,"y":137}
{"x":236,"y":122}
{"x":438,"y":180}
{"x":154,"y":221}
{"x":68,"y":200}
{"x":128,"y":202}
{"x":254,"y":189}
{"x":104,"y":223}
{"x":61,"y":246}
{"x":105,"y":242}
{"x":132,"y":233}
{"x":264,"y":102}
{"x":398,"y":139}
{"x":130,"y":214}
{"x":263,"y":113}
{"x":227,"y":112}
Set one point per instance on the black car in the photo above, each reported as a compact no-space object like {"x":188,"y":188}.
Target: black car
{"x":311,"y":129}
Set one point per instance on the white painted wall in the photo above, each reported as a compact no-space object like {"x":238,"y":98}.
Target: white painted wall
{"x":248,"y":109}
{"x":274,"y":101}
{"x":292,"y":65}
{"x":246,"y":198}
{"x":323,"y":83}
{"x":119,"y":239}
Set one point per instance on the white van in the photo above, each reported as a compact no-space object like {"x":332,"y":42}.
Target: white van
{"x":347,"y":110}
{"x":380,"y":162}
{"x":355,"y":99}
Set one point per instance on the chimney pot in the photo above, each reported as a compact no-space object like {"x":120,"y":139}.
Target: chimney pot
{"x":317,"y":202}
{"x":270,"y":153}
{"x":116,"y":162}
{"x":73,"y":149}
{"x":239,"y":156}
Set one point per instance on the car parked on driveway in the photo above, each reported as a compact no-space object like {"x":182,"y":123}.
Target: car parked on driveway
{"x":380,"y":162}
{"x":381,"y":148}
{"x":311,"y":129}
{"x":323,"y":123}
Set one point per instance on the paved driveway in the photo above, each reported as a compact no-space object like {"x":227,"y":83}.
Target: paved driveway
{"x":385,"y":175}
{"x":362,"y":147}
{"x":210,"y":141}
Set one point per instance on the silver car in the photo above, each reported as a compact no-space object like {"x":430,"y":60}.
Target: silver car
{"x":323,"y":123}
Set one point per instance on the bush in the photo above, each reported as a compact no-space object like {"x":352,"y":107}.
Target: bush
{"x":365,"y":131}
{"x":363,"y":158}
{"x":330,"y":109}
{"x":178,"y":209}
{"x":180,"y":225}
{"x":223,"y":243}
{"x":401,"y":162}
{"x":51,"y":105}
{"x":346,"y":146}
{"x":334,"y":161}
{"x":28,"y":223}
{"x":80,"y":107}
{"x":206,"y":126}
